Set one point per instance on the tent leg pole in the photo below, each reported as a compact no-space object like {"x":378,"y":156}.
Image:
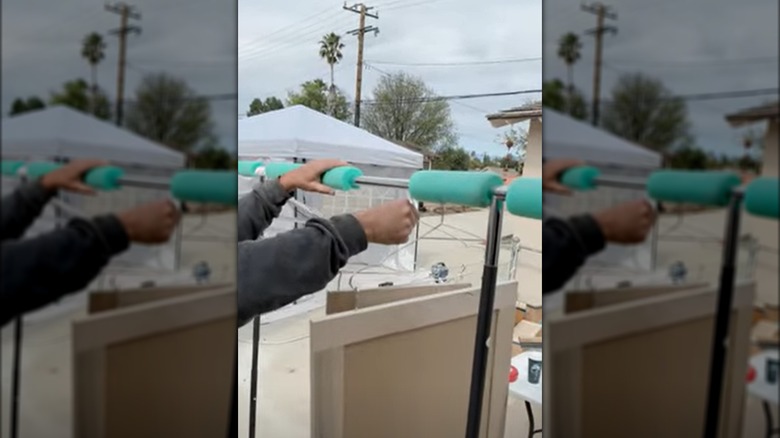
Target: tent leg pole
{"x":722,"y":316}
{"x":486,"y":300}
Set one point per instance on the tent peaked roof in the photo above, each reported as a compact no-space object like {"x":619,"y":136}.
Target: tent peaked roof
{"x":565,"y":137}
{"x":63,"y":131}
{"x":301,"y":132}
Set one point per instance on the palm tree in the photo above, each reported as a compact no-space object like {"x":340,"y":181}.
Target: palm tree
{"x":93,"y":50}
{"x":569,"y":50}
{"x":330,"y":51}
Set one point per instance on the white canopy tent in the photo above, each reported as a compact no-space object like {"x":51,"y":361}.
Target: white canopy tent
{"x":565,"y":137}
{"x":300,"y":134}
{"x":62,"y":134}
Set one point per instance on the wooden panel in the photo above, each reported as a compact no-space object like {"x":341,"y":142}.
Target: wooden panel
{"x":641,"y":367}
{"x":577,"y":301}
{"x":341,"y":301}
{"x":162,"y":368}
{"x":108,"y":300}
{"x":405,"y":367}
{"x":177,"y":383}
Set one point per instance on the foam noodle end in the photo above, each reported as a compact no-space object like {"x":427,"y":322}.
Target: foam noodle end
{"x":524,"y":198}
{"x":761,"y":197}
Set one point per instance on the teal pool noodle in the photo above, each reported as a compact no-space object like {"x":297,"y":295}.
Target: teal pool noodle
{"x":761,"y":197}
{"x":104,"y":178}
{"x":248,"y":168}
{"x":474,"y":189}
{"x":580,"y":178}
{"x":524,"y":198}
{"x":10,"y":168}
{"x":339,"y":178}
{"x":37,"y":169}
{"x":693,"y":187}
{"x":205,"y":186}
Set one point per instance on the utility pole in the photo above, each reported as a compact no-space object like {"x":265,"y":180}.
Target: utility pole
{"x":361,"y":9}
{"x":126,"y":12}
{"x":601,"y":11}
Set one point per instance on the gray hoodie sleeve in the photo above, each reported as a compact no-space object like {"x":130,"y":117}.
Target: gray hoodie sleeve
{"x":19,"y":209}
{"x":44,"y":268}
{"x":259,"y":208}
{"x":276,"y":271}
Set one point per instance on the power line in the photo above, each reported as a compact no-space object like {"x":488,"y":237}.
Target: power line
{"x":461,"y":63}
{"x":695,"y":62}
{"x":457,"y":97}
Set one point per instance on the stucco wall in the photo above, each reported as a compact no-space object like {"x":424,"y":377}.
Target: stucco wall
{"x":766,"y":230}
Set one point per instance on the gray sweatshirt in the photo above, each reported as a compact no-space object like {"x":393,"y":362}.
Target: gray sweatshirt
{"x":44,"y":268}
{"x":276,"y":271}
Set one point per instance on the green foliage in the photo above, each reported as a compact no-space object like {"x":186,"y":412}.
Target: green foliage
{"x":258,"y":106}
{"x":569,"y":50}
{"x":213,"y":157}
{"x":451,"y":158}
{"x":314,"y":94}
{"x":405,"y":110}
{"x":76,"y":94}
{"x":19,"y":106}
{"x":555,"y":96}
{"x":93,"y":48}
{"x":690,"y":158}
{"x":168,"y":111}
{"x":644,"y":111}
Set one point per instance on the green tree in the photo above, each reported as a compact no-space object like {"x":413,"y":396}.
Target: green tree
{"x":213,"y":157}
{"x":19,"y":106}
{"x":405,"y":110}
{"x":451,"y":158}
{"x":554,"y":96}
{"x":314,"y":94}
{"x":689,"y":158}
{"x":93,"y":50}
{"x":258,"y":106}
{"x":569,"y":50}
{"x":330,"y":51}
{"x":644,"y":111}
{"x":167,"y":110}
{"x":76,"y":94}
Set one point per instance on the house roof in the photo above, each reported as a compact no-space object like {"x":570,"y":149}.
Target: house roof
{"x":754,"y":114}
{"x":516,"y":115}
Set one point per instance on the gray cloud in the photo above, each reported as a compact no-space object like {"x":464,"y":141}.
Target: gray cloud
{"x":278,"y":51}
{"x":194,"y":40}
{"x":696,"y":46}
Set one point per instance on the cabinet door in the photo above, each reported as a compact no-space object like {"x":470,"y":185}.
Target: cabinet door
{"x":404,"y":368}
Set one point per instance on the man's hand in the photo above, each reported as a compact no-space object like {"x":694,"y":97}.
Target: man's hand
{"x":390,"y":223}
{"x":308,"y":176}
{"x":150,"y":223}
{"x":626,"y":223}
{"x":70,"y":177}
{"x":551,"y":173}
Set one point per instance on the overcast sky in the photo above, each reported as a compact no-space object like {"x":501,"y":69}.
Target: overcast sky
{"x":278,"y":50}
{"x":192,"y":39}
{"x":693,"y":46}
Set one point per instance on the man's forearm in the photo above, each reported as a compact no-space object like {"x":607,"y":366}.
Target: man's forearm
{"x":19,"y":209}
{"x":259,"y":208}
{"x":276,"y":271}
{"x":567,"y":245}
{"x":43,"y":269}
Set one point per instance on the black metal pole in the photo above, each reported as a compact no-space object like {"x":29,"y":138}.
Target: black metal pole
{"x":486,"y":300}
{"x":722,"y":316}
{"x":253,"y":379}
{"x":18,"y":324}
